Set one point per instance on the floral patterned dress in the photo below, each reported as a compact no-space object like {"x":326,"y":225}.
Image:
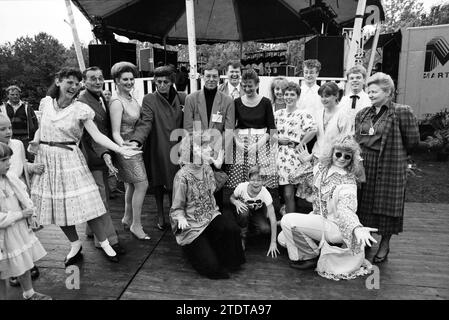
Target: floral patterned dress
{"x":66,"y":193}
{"x":293,"y":125}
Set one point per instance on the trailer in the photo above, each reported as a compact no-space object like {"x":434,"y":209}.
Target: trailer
{"x":423,"y":81}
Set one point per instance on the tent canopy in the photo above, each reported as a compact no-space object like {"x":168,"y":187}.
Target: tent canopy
{"x":221,"y":20}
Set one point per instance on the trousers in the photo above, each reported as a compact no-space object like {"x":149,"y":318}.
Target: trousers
{"x":301,"y":234}
{"x":101,"y":179}
{"x":217,"y":250}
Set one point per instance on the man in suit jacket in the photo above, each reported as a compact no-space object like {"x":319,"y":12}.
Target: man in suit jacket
{"x":98,"y":157}
{"x":232,"y":86}
{"x":211,"y":109}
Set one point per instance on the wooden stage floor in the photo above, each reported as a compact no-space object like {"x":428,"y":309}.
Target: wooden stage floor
{"x":417,"y":267}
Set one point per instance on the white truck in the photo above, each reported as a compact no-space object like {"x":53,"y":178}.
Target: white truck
{"x":423,"y":80}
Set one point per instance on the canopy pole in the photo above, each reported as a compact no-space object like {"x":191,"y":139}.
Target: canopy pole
{"x":191,"y":38}
{"x":241,"y":50}
{"x":164,"y":42}
{"x":76,"y":40}
{"x":374,"y":48}
{"x":356,"y":34}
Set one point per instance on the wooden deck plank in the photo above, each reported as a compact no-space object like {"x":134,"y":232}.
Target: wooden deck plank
{"x":416,"y":269}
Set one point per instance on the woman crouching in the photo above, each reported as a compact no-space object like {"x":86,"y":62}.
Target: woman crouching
{"x":210,"y":240}
{"x":333,"y":219}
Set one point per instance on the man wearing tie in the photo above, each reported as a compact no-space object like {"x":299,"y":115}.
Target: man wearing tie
{"x":356,"y":99}
{"x":98,"y":158}
{"x":232,"y":86}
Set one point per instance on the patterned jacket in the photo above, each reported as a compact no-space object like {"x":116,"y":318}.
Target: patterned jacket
{"x":400,"y":136}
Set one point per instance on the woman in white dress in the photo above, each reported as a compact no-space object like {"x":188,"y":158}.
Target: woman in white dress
{"x":66,"y":193}
{"x":295,"y":127}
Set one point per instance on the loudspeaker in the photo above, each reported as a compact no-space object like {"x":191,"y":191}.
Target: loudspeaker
{"x":105,"y":56}
{"x":390,"y":57}
{"x":160,"y":54}
{"x":100,"y":56}
{"x":329,"y":51}
{"x":146,"y":59}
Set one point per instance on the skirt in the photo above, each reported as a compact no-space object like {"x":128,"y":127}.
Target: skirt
{"x":66,"y":193}
{"x":244,"y":160}
{"x":21,"y":250}
{"x":386,"y":225}
{"x":130,"y":170}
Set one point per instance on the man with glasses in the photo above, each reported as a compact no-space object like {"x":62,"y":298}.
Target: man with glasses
{"x":232,"y":86}
{"x":162,"y":113}
{"x":98,"y":157}
{"x":210,"y":109}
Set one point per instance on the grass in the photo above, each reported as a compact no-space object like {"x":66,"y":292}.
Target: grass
{"x":431,"y":183}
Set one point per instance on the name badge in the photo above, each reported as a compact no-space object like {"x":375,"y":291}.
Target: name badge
{"x":217,"y":117}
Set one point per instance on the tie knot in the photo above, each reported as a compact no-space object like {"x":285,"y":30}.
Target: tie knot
{"x":355,"y":96}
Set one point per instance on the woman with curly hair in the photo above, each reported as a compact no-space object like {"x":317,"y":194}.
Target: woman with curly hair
{"x":334,"y":210}
{"x":210,"y":240}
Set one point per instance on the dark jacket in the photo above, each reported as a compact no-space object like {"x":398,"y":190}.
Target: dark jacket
{"x":92,"y":150}
{"x":32,"y":122}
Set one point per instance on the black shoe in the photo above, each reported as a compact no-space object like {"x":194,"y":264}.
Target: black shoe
{"x":378,"y":259}
{"x":304,"y":264}
{"x":111,"y":258}
{"x":14,"y":282}
{"x":118,"y":249}
{"x":34,"y":273}
{"x":77,"y":257}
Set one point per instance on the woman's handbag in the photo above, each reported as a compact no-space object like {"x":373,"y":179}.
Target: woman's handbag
{"x":338,"y":263}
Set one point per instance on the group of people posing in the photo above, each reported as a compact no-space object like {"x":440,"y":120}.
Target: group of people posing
{"x":301,"y":150}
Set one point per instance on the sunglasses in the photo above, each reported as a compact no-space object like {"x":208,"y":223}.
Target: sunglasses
{"x":166,"y":82}
{"x":346,"y":156}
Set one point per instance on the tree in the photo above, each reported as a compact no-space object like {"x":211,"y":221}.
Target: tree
{"x":400,"y":14}
{"x":438,"y":14}
{"x":31,"y":63}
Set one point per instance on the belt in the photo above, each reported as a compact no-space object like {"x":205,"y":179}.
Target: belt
{"x":63,"y":145}
{"x":291,"y":144}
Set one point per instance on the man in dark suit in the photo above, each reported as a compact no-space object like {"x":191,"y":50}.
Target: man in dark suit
{"x":98,"y":157}
{"x":214,"y":110}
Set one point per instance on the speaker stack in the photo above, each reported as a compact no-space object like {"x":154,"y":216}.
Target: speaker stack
{"x":329,"y":51}
{"x":105,"y":56}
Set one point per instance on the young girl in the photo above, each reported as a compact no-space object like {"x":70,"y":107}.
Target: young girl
{"x":21,"y":168}
{"x":254,"y":207}
{"x":19,"y":247}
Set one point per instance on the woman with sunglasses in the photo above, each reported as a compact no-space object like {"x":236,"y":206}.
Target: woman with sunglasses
{"x":125,"y":113}
{"x":334,"y":210}
{"x":386,"y":132}
{"x":162,"y":114}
